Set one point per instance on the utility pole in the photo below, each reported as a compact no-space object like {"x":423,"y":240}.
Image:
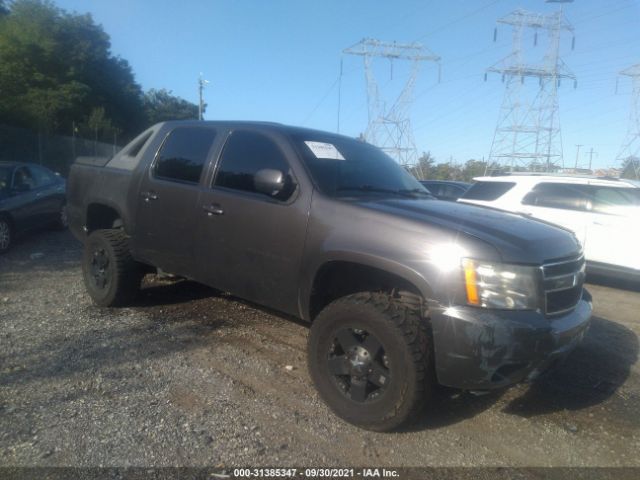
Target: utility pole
{"x":528,"y":128}
{"x":577,"y":155}
{"x":390,"y":128}
{"x":201,"y":84}
{"x":591,"y":154}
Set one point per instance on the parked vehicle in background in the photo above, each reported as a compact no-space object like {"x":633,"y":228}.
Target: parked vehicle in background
{"x":398,"y":286}
{"x":446,"y":189}
{"x":31,"y":197}
{"x":603,"y":213}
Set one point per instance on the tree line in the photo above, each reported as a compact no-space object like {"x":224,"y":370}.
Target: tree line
{"x":427,"y":168}
{"x":59,"y":76}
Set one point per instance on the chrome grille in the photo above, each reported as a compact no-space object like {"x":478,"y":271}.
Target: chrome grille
{"x":562,"y":284}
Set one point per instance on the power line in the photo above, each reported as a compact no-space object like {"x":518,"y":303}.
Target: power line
{"x":390,"y":127}
{"x":528,"y":128}
{"x":458,"y":20}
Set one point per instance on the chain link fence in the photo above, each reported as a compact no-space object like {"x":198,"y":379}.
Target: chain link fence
{"x":53,"y":151}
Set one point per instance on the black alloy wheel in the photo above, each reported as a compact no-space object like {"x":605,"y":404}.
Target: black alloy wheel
{"x":358,"y":363}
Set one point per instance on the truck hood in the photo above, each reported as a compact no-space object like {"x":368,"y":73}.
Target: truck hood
{"x":518,"y":239}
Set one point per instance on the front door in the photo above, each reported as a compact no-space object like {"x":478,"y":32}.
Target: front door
{"x":168,"y":200}
{"x":560,"y":203}
{"x":250,"y":243}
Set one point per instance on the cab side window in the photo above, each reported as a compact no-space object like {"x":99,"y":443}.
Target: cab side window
{"x":183,"y":154}
{"x":246,"y":153}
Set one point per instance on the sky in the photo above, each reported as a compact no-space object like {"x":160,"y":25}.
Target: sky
{"x":279,"y":60}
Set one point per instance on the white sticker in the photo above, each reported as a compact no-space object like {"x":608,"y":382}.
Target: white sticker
{"x":324,"y":150}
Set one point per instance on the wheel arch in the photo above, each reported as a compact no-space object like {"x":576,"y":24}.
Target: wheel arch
{"x":7,"y":215}
{"x":102,"y":215}
{"x":343,"y":275}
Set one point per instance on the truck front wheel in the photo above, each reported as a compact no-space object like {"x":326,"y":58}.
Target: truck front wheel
{"x":369,"y":359}
{"x":111,"y":276}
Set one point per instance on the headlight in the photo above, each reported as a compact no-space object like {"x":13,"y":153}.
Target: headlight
{"x":500,"y":285}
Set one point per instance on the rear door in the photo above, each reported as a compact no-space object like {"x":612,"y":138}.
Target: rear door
{"x":250,"y":243}
{"x":613,"y":234}
{"x":168,"y":197}
{"x":563,"y":204}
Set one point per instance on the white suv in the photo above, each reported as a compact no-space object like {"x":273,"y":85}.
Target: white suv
{"x":603,"y":213}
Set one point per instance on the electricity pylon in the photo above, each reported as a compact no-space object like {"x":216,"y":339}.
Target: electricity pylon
{"x":630,"y":150}
{"x":390,"y":128}
{"x":528,"y":129}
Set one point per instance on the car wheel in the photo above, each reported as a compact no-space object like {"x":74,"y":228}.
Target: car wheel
{"x":368,"y":357}
{"x":6,"y":234}
{"x":110,"y":274}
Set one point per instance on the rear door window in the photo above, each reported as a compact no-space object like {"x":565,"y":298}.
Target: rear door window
{"x":183,"y":154}
{"x":23,"y":179}
{"x":563,"y":196}
{"x":613,"y":200}
{"x":488,"y":190}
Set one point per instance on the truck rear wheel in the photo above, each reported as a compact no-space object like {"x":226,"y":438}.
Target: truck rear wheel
{"x":368,"y":357}
{"x":110,"y":274}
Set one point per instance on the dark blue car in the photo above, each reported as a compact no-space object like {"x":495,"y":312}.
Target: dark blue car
{"x":31,"y":197}
{"x":446,"y":189}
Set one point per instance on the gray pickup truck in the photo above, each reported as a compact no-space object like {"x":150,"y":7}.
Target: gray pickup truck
{"x":401,"y":290}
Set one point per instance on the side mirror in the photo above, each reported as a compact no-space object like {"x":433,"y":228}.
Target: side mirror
{"x":269,"y":181}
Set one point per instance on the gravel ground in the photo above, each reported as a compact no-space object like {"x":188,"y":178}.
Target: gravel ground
{"x":191,"y":377}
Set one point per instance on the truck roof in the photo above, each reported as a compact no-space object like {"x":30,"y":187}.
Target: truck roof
{"x":246,"y":123}
{"x":534,"y":178}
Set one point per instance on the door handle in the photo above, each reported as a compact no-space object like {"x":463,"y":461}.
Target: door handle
{"x":213,"y":209}
{"x":148,"y":196}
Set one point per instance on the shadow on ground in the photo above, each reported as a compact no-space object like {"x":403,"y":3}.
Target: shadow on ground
{"x":158,"y":292}
{"x":44,"y":250}
{"x":589,"y":376}
{"x":115,"y":338}
{"x":621,"y":284}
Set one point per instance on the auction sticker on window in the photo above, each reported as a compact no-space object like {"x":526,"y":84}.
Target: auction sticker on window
{"x":323,"y":150}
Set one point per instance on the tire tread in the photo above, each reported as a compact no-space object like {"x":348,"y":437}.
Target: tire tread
{"x":414,"y":329}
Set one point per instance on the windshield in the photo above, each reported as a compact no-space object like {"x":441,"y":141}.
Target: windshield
{"x":5,"y":179}
{"x":342,"y":166}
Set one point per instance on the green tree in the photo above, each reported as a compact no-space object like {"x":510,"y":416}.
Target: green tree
{"x":423,"y":167}
{"x":631,"y":168}
{"x":161,"y":105}
{"x":56,"y":67}
{"x":473,"y":168}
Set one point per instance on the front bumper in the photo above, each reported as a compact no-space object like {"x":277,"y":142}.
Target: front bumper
{"x":480,"y":349}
